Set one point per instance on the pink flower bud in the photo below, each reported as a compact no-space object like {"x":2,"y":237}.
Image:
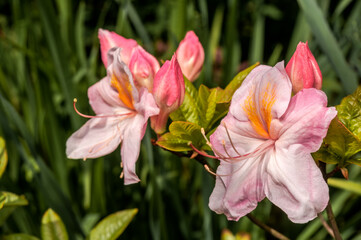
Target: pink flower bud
{"x":143,"y":67}
{"x":303,"y":69}
{"x":190,"y":55}
{"x":109,"y":40}
{"x":168,"y":91}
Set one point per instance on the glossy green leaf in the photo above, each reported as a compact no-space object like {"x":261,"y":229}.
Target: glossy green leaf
{"x":113,"y":225}
{"x":52,"y":227}
{"x":8,"y":203}
{"x":211,"y":106}
{"x":189,"y":110}
{"x":339,"y":146}
{"x":235,"y":84}
{"x":3,"y":157}
{"x":349,"y":112}
{"x":173,"y":143}
{"x":348,"y":185}
{"x":179,"y":136}
{"x":19,"y":236}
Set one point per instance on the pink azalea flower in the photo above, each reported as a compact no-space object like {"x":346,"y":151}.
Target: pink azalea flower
{"x":121,"y":117}
{"x":264,"y":146}
{"x":109,"y":40}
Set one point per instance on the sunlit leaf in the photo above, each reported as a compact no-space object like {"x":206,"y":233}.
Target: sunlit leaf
{"x":339,"y":146}
{"x":189,"y":110}
{"x":8,"y":203}
{"x":349,"y":112}
{"x":3,"y":156}
{"x":52,"y":227}
{"x":19,"y":236}
{"x":348,"y":185}
{"x":235,"y":84}
{"x":113,"y":225}
{"x":180,"y":134}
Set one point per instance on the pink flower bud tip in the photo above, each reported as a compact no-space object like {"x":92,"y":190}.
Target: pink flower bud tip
{"x":190,"y":55}
{"x":168,"y":91}
{"x":109,"y":40}
{"x":303,"y":69}
{"x":143,"y":66}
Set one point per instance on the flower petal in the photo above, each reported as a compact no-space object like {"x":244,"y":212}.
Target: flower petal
{"x":97,"y":137}
{"x":103,"y":98}
{"x":242,"y":187}
{"x":306,"y":121}
{"x":295,"y":184}
{"x":133,"y":135}
{"x":262,"y":97}
{"x":242,"y":138}
{"x":109,"y":40}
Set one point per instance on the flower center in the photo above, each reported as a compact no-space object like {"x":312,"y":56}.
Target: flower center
{"x":259,"y":111}
{"x":124,"y":89}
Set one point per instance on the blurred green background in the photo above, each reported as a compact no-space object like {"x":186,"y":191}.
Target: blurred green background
{"x":49,"y":54}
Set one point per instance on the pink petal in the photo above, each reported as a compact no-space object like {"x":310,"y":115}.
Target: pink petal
{"x":103,"y":98}
{"x":306,"y":121}
{"x":239,"y":188}
{"x":242,"y":135}
{"x":133,"y":135}
{"x":109,"y":40}
{"x":263,"y":96}
{"x":295,"y":184}
{"x":96,"y":138}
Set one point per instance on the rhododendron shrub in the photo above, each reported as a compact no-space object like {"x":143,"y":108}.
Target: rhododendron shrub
{"x":269,"y":128}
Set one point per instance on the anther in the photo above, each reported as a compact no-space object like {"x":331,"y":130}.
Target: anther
{"x":209,"y":170}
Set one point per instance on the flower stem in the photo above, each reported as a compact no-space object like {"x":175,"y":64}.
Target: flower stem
{"x":331,"y":216}
{"x":267,"y":228}
{"x":325,"y":224}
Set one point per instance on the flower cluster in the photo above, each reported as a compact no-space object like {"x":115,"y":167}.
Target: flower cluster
{"x":264,"y":143}
{"x":135,"y":89}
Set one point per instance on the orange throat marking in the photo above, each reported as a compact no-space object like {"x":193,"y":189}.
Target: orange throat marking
{"x":260,"y":113}
{"x":124,"y":89}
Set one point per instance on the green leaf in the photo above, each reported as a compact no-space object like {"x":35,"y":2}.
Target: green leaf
{"x":235,"y":84}
{"x":349,"y":112}
{"x":348,"y":185}
{"x":113,"y":225}
{"x":8,"y":203}
{"x":211,"y":106}
{"x":180,"y":134}
{"x":172,"y":143}
{"x":339,"y":146}
{"x":52,"y":227}
{"x":189,"y":111}
{"x":19,"y":236}
{"x":3,"y":157}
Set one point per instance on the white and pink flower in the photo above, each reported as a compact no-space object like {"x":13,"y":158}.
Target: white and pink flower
{"x":264,"y":145}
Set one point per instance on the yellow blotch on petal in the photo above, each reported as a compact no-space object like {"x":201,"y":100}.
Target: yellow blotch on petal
{"x":260,"y":116}
{"x":124,"y":89}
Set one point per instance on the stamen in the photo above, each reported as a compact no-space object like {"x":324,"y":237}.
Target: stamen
{"x":209,"y":170}
{"x":259,"y":150}
{"x":225,"y":149}
{"x":97,"y":116}
{"x":121,"y":175}
{"x":229,"y":137}
{"x":210,"y":144}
